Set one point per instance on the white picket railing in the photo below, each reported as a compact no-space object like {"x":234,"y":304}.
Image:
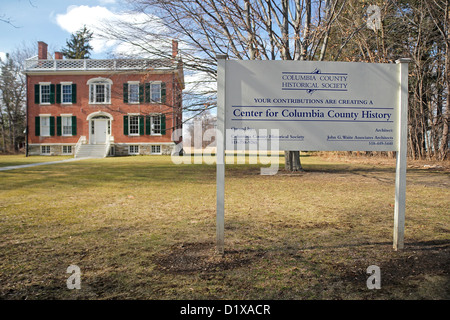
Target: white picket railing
{"x":97,"y":64}
{"x":81,"y":141}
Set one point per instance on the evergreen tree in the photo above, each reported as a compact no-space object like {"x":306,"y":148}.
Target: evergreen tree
{"x":78,"y":46}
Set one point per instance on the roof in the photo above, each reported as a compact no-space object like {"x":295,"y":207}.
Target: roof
{"x":64,"y":66}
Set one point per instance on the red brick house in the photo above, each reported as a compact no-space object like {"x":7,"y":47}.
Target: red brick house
{"x":102,"y":107}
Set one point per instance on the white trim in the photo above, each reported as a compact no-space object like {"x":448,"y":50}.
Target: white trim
{"x":138,"y":84}
{"x":49,"y":150}
{"x":108,"y":89}
{"x":62,"y":126}
{"x":99,"y":113}
{"x":160,"y":94}
{"x":49,"y":93}
{"x":66,"y":115}
{"x":41,"y":134}
{"x":134,"y":153}
{"x":62,"y":92}
{"x":156,"y":145}
{"x":98,"y":80}
{"x":139,"y":124}
{"x":67,"y":153}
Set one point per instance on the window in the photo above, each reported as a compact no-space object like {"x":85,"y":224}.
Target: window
{"x":45,"y":126}
{"x":133,"y":149}
{"x":66,"y":126}
{"x":133,"y":93}
{"x":45,"y":94}
{"x":66,"y":93}
{"x":156,"y":124}
{"x":133,"y":125}
{"x":155,"y":92}
{"x":67,"y":149}
{"x":100,"y":91}
{"x":156,"y":149}
{"x":45,"y":149}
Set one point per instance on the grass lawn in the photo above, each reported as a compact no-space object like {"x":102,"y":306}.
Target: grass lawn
{"x":17,"y":160}
{"x":144,"y":228}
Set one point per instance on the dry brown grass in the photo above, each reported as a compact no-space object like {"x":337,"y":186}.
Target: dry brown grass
{"x":144,"y":228}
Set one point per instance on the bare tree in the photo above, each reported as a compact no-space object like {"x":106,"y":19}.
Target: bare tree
{"x":303,"y":30}
{"x":241,"y":29}
{"x":12,"y":103}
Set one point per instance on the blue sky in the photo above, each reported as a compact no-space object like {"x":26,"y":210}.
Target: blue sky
{"x":52,"y":21}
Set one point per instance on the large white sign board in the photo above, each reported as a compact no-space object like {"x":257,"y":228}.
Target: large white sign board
{"x":333,"y":106}
{"x":315,"y":105}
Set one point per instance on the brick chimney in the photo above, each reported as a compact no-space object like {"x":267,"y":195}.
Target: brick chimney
{"x":42,"y":50}
{"x":58,"y":55}
{"x":174,"y":48}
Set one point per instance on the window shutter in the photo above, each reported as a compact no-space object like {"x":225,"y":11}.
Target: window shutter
{"x":141,"y":125}
{"x":74,"y":125}
{"x":147,"y":92}
{"x":74,"y":95}
{"x":148,"y":128}
{"x":163,"y":124}
{"x":52,"y":126}
{"x":141,"y":93}
{"x":125,"y":93}
{"x":37,"y":92}
{"x":58,"y":93}
{"x":37,"y":126}
{"x":163,"y":92}
{"x":125,"y":125}
{"x":52,"y":94}
{"x":58,"y":126}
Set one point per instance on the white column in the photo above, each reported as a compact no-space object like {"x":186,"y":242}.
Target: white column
{"x":400,"y":175}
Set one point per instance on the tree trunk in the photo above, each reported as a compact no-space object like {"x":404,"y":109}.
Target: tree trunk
{"x":292,"y":161}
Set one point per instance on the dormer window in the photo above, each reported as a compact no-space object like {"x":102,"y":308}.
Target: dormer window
{"x":99,"y":91}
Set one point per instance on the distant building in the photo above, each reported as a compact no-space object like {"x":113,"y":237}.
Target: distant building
{"x":102,"y":107}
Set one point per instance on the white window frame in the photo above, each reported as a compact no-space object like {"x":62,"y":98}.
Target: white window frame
{"x":66,"y":118}
{"x":46,"y":148}
{"x":154,"y":83}
{"x":41,"y":95}
{"x":152,"y":124}
{"x":67,"y":148}
{"x":154,"y":152}
{"x":93,"y":83}
{"x":131,"y":84}
{"x":133,"y":146}
{"x":66,"y":84}
{"x":44,"y":133}
{"x":130,"y":116}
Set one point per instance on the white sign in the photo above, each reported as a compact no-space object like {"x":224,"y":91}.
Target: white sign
{"x":313,"y":106}
{"x":330,"y":106}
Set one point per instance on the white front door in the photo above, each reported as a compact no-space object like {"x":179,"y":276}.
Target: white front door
{"x":100,"y":131}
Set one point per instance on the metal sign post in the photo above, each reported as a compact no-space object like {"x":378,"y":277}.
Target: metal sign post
{"x":400,"y":174}
{"x":220,"y":154}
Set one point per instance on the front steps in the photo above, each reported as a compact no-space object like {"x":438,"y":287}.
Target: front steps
{"x":91,"y":151}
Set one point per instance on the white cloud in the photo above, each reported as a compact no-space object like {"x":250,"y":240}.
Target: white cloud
{"x":96,"y":18}
{"x":107,"y":1}
{"x":77,"y":16}
{"x":2,"y":56}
